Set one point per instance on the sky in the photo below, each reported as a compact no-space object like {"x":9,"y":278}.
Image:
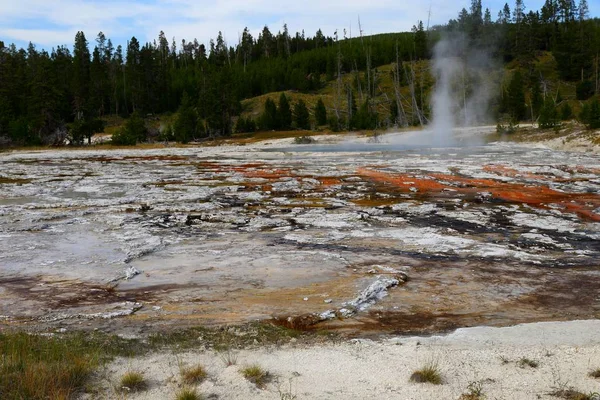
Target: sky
{"x":48,"y":23}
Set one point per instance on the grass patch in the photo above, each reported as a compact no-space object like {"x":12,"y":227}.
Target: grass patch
{"x":228,"y":357}
{"x":474,"y":392}
{"x":304,"y":140}
{"x":572,"y":394}
{"x":595,"y":373}
{"x":42,"y":367}
{"x":526,"y":362}
{"x":243,"y":336}
{"x":133,"y":381}
{"x":430,"y":373}
{"x":60,"y":366}
{"x":13,"y":181}
{"x":188,"y":394}
{"x":257,"y":375}
{"x":193,"y":375}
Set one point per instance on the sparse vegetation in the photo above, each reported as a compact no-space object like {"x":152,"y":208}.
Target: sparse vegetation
{"x":257,"y":375}
{"x":304,"y":140}
{"x":188,"y":394}
{"x":430,"y":373}
{"x":287,"y":393}
{"x":133,"y":381}
{"x":36,"y":367}
{"x":474,"y":392}
{"x":595,"y":373}
{"x":193,"y":375}
{"x":526,"y":362}
{"x":229,"y":358}
{"x":572,"y":394}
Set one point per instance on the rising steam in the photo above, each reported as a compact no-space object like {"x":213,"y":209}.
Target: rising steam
{"x":463,"y":88}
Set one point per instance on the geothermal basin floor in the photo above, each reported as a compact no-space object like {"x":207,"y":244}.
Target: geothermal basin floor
{"x":491,"y":235}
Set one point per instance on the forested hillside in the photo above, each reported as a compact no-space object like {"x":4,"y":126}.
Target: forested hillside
{"x":66,"y":95}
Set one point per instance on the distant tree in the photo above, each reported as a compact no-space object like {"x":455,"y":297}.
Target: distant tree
{"x":590,"y":114}
{"x":516,"y":97}
{"x":583,"y":10}
{"x":133,"y":132}
{"x":186,"y":124}
{"x":81,"y":74}
{"x":320,"y":113}
{"x":537,"y":101}
{"x":584,"y":90}
{"x":365,"y":117}
{"x":268,"y":119}
{"x":487,"y":18}
{"x":394,"y":112}
{"x":566,"y":112}
{"x":420,"y":41}
{"x":285,"y":113}
{"x":244,"y":125}
{"x":548,"y":115}
{"x":506,"y":14}
{"x":84,"y":128}
{"x":301,"y":115}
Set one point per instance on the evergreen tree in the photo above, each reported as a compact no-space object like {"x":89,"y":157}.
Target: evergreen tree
{"x":590,"y":114}
{"x":548,"y":115}
{"x":537,"y":101}
{"x":301,"y":115}
{"x":185,"y":126}
{"x":394,"y":112}
{"x":268,"y":119}
{"x":320,"y":113}
{"x":133,"y":75}
{"x":81,"y":74}
{"x":566,"y":112}
{"x":420,"y":41}
{"x":136,"y":127}
{"x":284,"y":113}
{"x":133,"y":132}
{"x":516,"y":97}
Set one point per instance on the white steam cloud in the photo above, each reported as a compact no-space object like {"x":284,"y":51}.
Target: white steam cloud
{"x":463,"y":90}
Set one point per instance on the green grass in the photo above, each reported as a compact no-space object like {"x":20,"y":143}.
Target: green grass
{"x":257,"y":375}
{"x":37,"y":367}
{"x":430,"y":373}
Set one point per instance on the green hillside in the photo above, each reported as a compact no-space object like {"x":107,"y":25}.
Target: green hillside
{"x":542,"y":65}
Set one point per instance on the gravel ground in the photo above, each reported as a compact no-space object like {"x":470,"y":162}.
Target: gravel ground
{"x":365,"y":369}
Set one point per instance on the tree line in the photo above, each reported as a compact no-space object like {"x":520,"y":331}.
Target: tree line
{"x":65,"y":94}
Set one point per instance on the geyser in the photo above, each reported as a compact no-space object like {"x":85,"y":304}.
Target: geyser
{"x":463,"y":88}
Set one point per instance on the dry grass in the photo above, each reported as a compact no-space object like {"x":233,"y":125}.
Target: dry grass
{"x":474,"y":392}
{"x":430,"y":373}
{"x":572,"y":394}
{"x":36,"y":367}
{"x":13,"y":181}
{"x":257,"y":375}
{"x":229,"y":358}
{"x":526,"y":362}
{"x":188,"y":394}
{"x":193,"y":375}
{"x":133,"y":381}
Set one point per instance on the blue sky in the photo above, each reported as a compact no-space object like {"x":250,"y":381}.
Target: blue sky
{"x":48,"y":23}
